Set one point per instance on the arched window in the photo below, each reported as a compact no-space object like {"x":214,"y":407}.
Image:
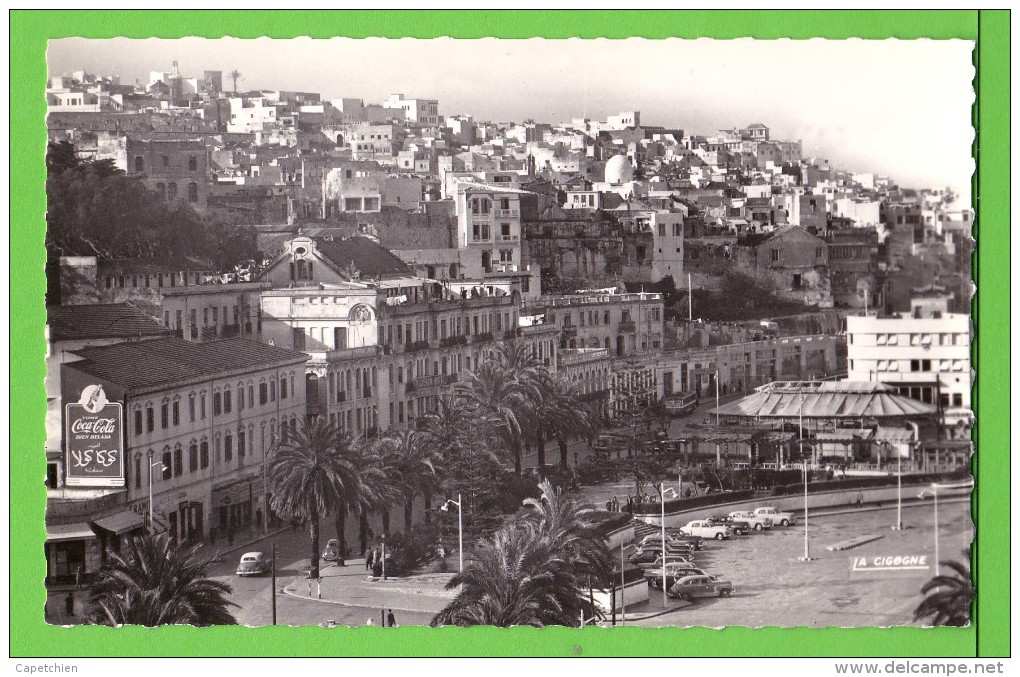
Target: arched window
{"x":139,"y":163}
{"x":168,"y":462}
{"x":193,"y":457}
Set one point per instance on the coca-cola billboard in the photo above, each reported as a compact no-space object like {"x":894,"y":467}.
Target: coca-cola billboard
{"x":94,"y":437}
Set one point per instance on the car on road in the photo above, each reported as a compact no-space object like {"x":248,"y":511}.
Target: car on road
{"x":252,"y":564}
{"x":706,"y":529}
{"x":674,"y":572}
{"x":777,"y":516}
{"x":700,"y":585}
{"x":758,"y":522}
{"x":332,"y":551}
{"x":738,"y":526}
{"x":697,"y":541}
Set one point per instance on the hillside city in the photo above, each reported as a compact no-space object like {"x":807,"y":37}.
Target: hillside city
{"x":482,"y":313}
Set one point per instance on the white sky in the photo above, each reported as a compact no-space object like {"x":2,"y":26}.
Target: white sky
{"x":895,"y":107}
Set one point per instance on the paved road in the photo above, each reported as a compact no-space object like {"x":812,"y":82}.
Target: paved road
{"x":773,"y":588}
{"x":254,"y":595}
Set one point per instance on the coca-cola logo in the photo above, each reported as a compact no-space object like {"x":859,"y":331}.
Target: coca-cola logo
{"x":94,"y":426}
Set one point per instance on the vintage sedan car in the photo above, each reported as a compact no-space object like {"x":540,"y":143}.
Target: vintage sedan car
{"x":739,"y":527}
{"x":670,"y":559}
{"x":252,"y":564}
{"x":706,"y":529}
{"x":655,"y":540}
{"x":700,"y":585}
{"x":674,"y":572}
{"x":759,"y":522}
{"x":777,"y":516}
{"x":332,"y":551}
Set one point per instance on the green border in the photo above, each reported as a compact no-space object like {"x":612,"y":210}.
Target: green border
{"x":29,"y":636}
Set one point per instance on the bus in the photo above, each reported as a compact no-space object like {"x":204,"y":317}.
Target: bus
{"x":681,"y":404}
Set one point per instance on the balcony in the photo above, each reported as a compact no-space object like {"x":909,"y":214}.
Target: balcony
{"x":511,"y":333}
{"x":508,"y":238}
{"x":628,"y":326}
{"x":484,"y":336}
{"x":435,"y":381}
{"x":453,"y":341}
{"x":416,"y":346}
{"x":507,"y":212}
{"x":569,"y":331}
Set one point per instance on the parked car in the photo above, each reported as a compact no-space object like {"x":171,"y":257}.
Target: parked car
{"x":252,"y":564}
{"x":652,"y":551}
{"x":674,"y":572}
{"x":758,"y":522}
{"x":706,"y":529}
{"x":738,"y":526}
{"x":671,"y":540}
{"x":697,"y":541}
{"x":700,"y":585}
{"x":777,"y":516}
{"x":670,"y":559}
{"x":332,"y":551}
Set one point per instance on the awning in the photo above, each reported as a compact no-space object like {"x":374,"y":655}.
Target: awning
{"x":126,"y":520}
{"x":68,"y":532}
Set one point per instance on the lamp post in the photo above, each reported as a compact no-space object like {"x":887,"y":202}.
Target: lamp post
{"x":460,"y":527}
{"x":152,"y":523}
{"x":662,"y":496}
{"x":717,"y":398}
{"x":807,"y":552}
{"x":935,"y":494}
{"x":899,"y":492}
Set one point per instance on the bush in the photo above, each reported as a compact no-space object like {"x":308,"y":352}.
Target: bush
{"x":413,"y":550}
{"x":597,"y":469}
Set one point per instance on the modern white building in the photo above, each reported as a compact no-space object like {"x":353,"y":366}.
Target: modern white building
{"x":924,"y":354}
{"x":421,"y":111}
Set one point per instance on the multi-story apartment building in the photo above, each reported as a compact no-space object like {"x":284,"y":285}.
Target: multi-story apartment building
{"x":488,"y":228}
{"x":418,"y":111}
{"x":924,"y":354}
{"x":175,"y":169}
{"x":199,"y":419}
{"x":622,"y":324}
{"x":741,"y":367}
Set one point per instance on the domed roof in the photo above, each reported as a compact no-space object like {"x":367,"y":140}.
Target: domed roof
{"x":619,"y":170}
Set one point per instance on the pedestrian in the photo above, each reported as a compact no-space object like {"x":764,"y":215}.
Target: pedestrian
{"x":69,"y":604}
{"x":609,"y":506}
{"x":230,"y":535}
{"x":368,"y":559}
{"x":391,"y":620}
{"x":77,"y":578}
{"x":258,"y":517}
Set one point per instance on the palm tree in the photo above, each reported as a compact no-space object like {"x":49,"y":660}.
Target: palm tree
{"x":158,"y":582}
{"x":414,"y":467}
{"x":574,"y":528}
{"x":355,"y":454}
{"x":501,"y":398}
{"x":307,"y":478}
{"x":516,"y":577}
{"x":947,"y":598}
{"x":235,"y":75}
{"x":533,"y":571}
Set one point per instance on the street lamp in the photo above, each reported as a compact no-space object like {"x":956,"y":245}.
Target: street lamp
{"x":716,"y":398}
{"x":152,"y":523}
{"x":460,"y":526}
{"x":800,"y":430}
{"x":899,"y":490}
{"x":662,"y":495}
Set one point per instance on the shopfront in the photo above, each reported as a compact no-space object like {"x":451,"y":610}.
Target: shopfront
{"x":70,"y":548}
{"x":235,"y":504}
{"x":116,"y":530}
